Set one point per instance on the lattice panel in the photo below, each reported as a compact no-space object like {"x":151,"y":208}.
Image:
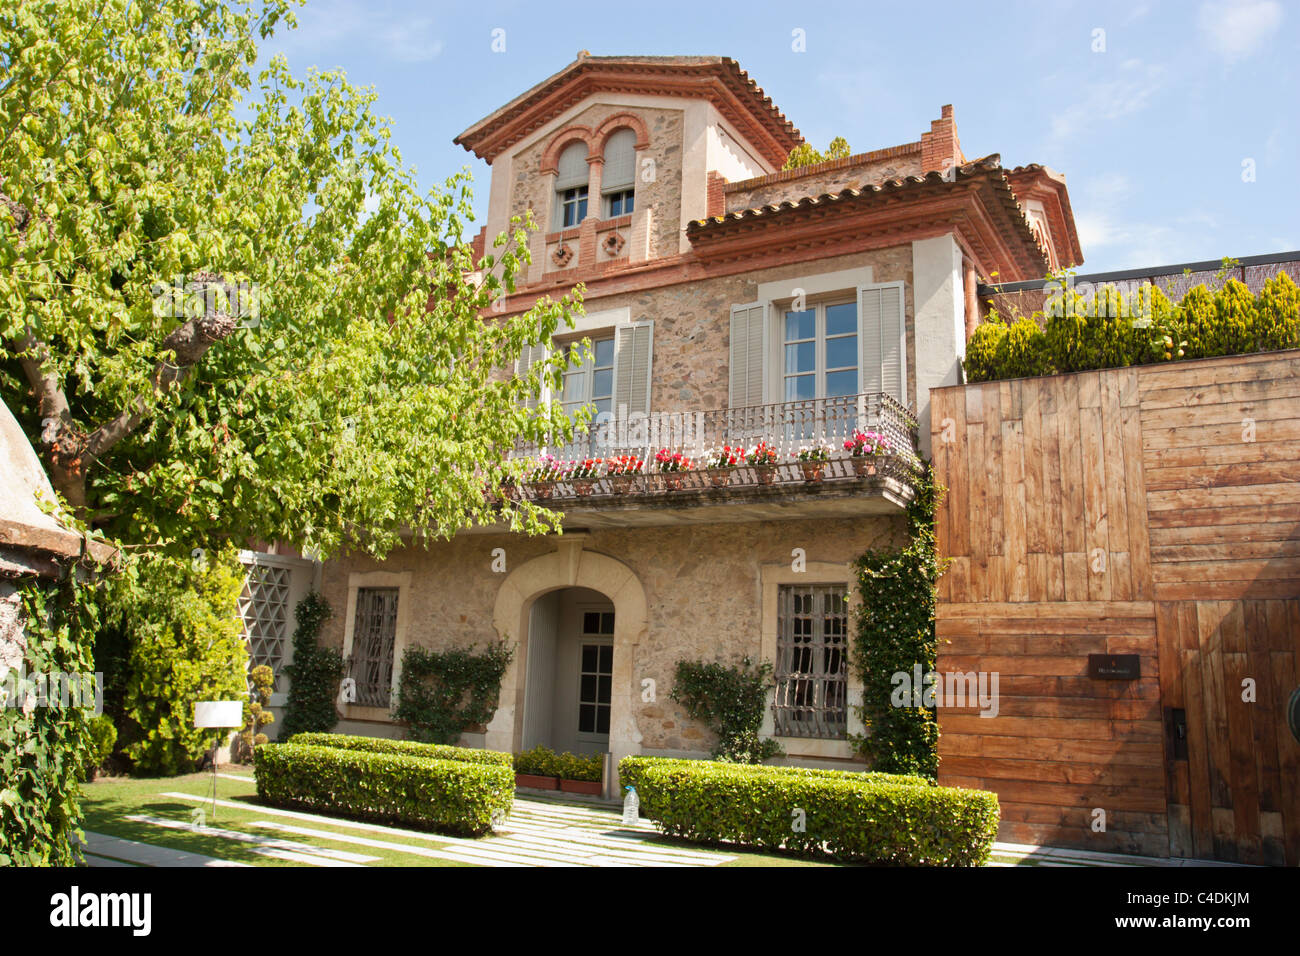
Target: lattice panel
{"x":264,"y":606}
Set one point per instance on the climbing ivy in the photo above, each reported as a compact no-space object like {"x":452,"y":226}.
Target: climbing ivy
{"x":45,"y":749}
{"x":729,"y":698}
{"x":895,"y":632}
{"x":314,"y":674}
{"x":443,"y":693}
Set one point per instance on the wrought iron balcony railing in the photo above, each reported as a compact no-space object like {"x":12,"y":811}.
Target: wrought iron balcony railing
{"x":786,"y":427}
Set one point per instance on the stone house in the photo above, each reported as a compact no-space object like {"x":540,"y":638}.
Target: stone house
{"x":727,"y":303}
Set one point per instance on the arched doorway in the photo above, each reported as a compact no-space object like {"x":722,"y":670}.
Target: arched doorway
{"x":587,"y":578}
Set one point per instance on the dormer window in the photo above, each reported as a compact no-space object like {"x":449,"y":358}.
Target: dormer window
{"x":571,"y":186}
{"x":617,"y":184}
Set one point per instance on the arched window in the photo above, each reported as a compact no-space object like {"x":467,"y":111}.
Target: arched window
{"x":571,"y":186}
{"x":618,"y":183}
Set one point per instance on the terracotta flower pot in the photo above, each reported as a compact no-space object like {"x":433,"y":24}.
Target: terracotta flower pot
{"x":864,"y":465}
{"x":592,"y":787}
{"x":766,"y":474}
{"x":622,"y":484}
{"x":536,"y":782}
{"x":673,"y":480}
{"x":720,"y":477}
{"x":543,"y":489}
{"x":812,"y":470}
{"x":584,"y":486}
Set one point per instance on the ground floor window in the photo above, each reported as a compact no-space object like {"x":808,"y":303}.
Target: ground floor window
{"x":812,"y":661}
{"x":596,"y":678}
{"x":374,"y":634}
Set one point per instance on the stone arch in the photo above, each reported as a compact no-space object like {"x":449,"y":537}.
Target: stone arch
{"x":570,"y":566}
{"x":563,"y":139}
{"x":615,"y":123}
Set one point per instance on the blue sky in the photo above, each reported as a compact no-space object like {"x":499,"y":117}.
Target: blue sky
{"x":1152,"y":131}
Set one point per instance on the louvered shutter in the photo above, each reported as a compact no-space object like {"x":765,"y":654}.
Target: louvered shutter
{"x":530,"y":355}
{"x":748,"y":348}
{"x":883,"y":337}
{"x":620,"y":162}
{"x":633,"y":355}
{"x":572,"y":167}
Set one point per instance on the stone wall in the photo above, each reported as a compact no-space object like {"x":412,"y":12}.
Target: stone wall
{"x":833,"y":177}
{"x":702,"y":586}
{"x":532,"y":189}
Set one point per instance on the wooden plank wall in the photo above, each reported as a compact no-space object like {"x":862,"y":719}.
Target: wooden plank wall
{"x":1087,"y":513}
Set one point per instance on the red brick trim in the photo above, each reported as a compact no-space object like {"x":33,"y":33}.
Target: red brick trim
{"x":615,"y":123}
{"x":858,"y":159}
{"x":562,"y":140}
{"x":717,"y":202}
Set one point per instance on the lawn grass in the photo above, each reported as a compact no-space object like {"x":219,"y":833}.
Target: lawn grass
{"x":108,"y":803}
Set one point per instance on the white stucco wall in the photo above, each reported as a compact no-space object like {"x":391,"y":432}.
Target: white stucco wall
{"x":940,"y":322}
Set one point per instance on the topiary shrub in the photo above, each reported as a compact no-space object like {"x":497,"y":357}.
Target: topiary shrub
{"x":1277,"y":314}
{"x":452,"y":796}
{"x":1021,"y":352}
{"x":981,"y":361}
{"x":411,"y":748}
{"x":846,"y":816}
{"x":1195,"y":320}
{"x":730,"y":699}
{"x":314,"y":675}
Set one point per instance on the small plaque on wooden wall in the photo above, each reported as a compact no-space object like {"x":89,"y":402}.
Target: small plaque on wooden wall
{"x":1113,"y":667}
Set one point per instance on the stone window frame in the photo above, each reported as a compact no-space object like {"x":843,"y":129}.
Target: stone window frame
{"x":771,"y":577}
{"x":378,"y":579}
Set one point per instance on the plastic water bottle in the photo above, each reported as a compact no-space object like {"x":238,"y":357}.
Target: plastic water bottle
{"x":631,"y":808}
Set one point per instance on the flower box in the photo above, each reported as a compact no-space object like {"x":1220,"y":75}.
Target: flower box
{"x":590,"y":787}
{"x":865,"y":465}
{"x":719,"y":477}
{"x":812,"y":470}
{"x":536,"y":782}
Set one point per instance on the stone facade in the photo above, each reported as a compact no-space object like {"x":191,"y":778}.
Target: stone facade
{"x":855,"y":172}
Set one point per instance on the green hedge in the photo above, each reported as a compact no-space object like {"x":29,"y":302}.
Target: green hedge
{"x":872,"y":818}
{"x":412,"y":748}
{"x":1205,"y":324}
{"x":454,"y":796}
{"x":632,"y":769}
{"x":544,"y":762}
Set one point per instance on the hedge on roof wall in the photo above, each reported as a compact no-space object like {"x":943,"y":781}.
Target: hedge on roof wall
{"x":453,"y":796}
{"x":846,"y":816}
{"x":413,"y":748}
{"x":1112,"y":330}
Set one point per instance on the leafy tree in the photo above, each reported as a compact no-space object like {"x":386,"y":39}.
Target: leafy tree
{"x":228,"y":310}
{"x":804,"y":154}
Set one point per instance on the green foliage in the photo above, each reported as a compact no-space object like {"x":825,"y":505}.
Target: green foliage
{"x":631,"y":769}
{"x":895,"y":632}
{"x":450,"y":796}
{"x":804,"y":154}
{"x":411,"y":748}
{"x":544,"y":762}
{"x":314,"y":675}
{"x":730,"y":700}
{"x":845,"y":816}
{"x":45,"y":750}
{"x":362,"y":396}
{"x":257,"y":713}
{"x":104,"y":737}
{"x":1111,"y":331}
{"x":443,"y":693}
{"x":186,"y":644}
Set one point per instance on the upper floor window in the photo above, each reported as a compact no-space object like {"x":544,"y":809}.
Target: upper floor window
{"x":571,"y":186}
{"x":591,"y":382}
{"x":821,"y":352}
{"x":618,"y":181}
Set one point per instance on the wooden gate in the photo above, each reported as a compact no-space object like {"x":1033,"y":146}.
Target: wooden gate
{"x":1151,"y":511}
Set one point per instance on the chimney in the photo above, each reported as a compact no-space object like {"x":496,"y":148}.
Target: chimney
{"x":940,"y":148}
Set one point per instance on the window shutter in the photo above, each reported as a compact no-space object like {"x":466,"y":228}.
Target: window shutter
{"x":620,"y":162}
{"x":530,"y":355}
{"x":633,"y":355}
{"x":884,"y":340}
{"x":748,"y":348}
{"x":572,"y":167}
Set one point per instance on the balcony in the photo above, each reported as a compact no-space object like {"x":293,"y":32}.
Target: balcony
{"x":845,"y":487}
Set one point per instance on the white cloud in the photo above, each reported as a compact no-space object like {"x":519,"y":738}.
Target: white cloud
{"x":1236,"y":28}
{"x":330,"y":29}
{"x":1130,"y":90}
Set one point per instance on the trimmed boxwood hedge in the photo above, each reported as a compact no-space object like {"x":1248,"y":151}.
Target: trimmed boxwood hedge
{"x":871,"y":818}
{"x":454,"y":796}
{"x":545,"y":762}
{"x":412,"y":748}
